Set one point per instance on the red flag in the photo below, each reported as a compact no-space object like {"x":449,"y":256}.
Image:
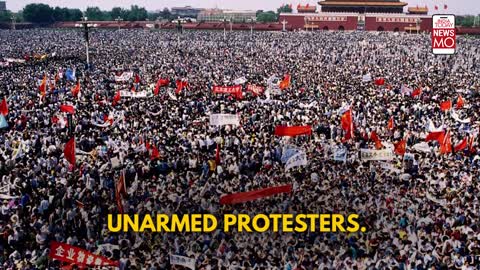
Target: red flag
{"x":242,"y":197}
{"x":460,"y":102}
{"x":435,"y":136}
{"x":155,"y":154}
{"x":445,"y":6}
{"x":446,"y":145}
{"x":255,"y":90}
{"x":347,"y":125}
{"x":380,"y":81}
{"x":69,"y":151}
{"x":133,"y":88}
{"x":436,"y":7}
{"x":4,"y":107}
{"x":417,"y":92}
{"x":116,"y":98}
{"x":161,"y":82}
{"x":76,"y":89}
{"x":391,"y":123}
{"x":461,"y":146}
{"x":293,"y":131}
{"x":401,"y":147}
{"x":285,"y":83}
{"x":446,"y":105}
{"x":137,"y":78}
{"x":217,"y":155}
{"x":374,"y":137}
{"x":120,"y":190}
{"x":180,"y":85}
{"x":147,"y":145}
{"x":43,"y":86}
{"x":67,"y":108}
{"x":471,"y":140}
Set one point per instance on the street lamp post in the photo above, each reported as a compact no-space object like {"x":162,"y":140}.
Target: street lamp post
{"x":86,"y":35}
{"x":251,"y":26}
{"x":224,"y":29}
{"x":13,"y":22}
{"x":231,"y":22}
{"x":118,"y":20}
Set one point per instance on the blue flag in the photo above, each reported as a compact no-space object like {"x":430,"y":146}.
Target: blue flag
{"x":3,"y":121}
{"x":70,"y":74}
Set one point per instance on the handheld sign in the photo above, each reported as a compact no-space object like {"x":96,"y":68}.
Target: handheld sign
{"x":444,"y":34}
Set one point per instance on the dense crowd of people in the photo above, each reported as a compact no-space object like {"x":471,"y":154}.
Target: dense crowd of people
{"x":420,"y":215}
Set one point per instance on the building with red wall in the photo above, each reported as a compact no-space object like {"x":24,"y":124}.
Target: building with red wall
{"x":347,"y":15}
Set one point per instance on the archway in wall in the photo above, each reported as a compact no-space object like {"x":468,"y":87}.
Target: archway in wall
{"x":341,"y":28}
{"x":396,"y":30}
{"x":380,"y":29}
{"x":325,"y":28}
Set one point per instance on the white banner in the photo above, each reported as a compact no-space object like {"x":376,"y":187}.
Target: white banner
{"x":422,"y":147}
{"x":241,"y":80}
{"x":340,"y":154}
{"x":457,"y":118}
{"x":183,"y":261}
{"x":140,"y":94}
{"x":367,"y":78}
{"x":389,"y":167}
{"x":125,"y":76}
{"x":368,"y":154}
{"x":224,"y":119}
{"x":299,"y":159}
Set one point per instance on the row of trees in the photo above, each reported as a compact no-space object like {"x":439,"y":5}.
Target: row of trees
{"x":271,"y":16}
{"x":467,"y":21}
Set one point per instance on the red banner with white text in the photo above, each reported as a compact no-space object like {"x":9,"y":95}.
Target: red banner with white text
{"x":77,"y":256}
{"x":293,"y":131}
{"x":254,"y":195}
{"x":232,"y":90}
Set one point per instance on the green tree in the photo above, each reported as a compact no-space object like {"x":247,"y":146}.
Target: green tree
{"x":284,"y":9}
{"x":268,"y":16}
{"x":166,"y":14}
{"x":5,"y":16}
{"x":38,"y":13}
{"x":75,"y":15}
{"x":95,"y":14}
{"x":118,"y":12}
{"x":137,"y":13}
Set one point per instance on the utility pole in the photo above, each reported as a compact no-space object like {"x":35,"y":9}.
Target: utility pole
{"x":284,"y":23}
{"x":86,"y":35}
{"x":118,"y":20}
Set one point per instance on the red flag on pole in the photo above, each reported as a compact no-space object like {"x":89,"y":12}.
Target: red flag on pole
{"x":401,"y":147}
{"x":137,"y":78}
{"x":67,"y":108}
{"x":435,"y":136}
{"x":285,"y":83}
{"x":4,"y":107}
{"x":69,"y":151}
{"x":445,"y":6}
{"x":391,"y":123}
{"x":436,"y":7}
{"x":446,"y":145}
{"x":180,"y":85}
{"x":460,"y":102}
{"x":120,"y":190}
{"x":116,"y":98}
{"x":446,"y":105}
{"x":461,"y":146}
{"x":347,"y":124}
{"x":43,"y":86}
{"x":374,"y":137}
{"x":217,"y":155}
{"x":155,"y":154}
{"x":254,"y":195}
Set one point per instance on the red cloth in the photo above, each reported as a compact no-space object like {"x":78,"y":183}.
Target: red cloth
{"x":242,"y":197}
{"x":161,"y":82}
{"x":70,"y":254}
{"x":446,"y":145}
{"x":374,"y":137}
{"x":76,"y":90}
{"x":67,"y":108}
{"x":137,"y":78}
{"x":460,"y":102}
{"x":69,"y":151}
{"x":217,"y":155}
{"x":391,"y":123}
{"x":347,"y":125}
{"x":180,"y":85}
{"x":446,"y":105}
{"x":293,"y":131}
{"x":401,"y":147}
{"x":285,"y":83}
{"x":116,"y":98}
{"x":120,"y":190}
{"x":255,"y":90}
{"x":462,"y":145}
{"x":43,"y":86}
{"x":236,"y":90}
{"x":155,"y":154}
{"x":380,"y":81}
{"x":4,"y":107}
{"x":435,"y":136}
{"x":417,"y":92}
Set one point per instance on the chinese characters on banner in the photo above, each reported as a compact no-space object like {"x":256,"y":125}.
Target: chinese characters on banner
{"x":74,"y":255}
{"x":367,"y":154}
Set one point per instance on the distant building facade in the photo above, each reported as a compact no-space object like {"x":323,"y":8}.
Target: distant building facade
{"x":3,"y":6}
{"x":218,"y":15}
{"x":187,"y":11}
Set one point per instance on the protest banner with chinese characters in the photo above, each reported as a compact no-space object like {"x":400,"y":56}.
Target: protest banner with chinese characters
{"x":74,"y":255}
{"x":372,"y":155}
{"x":183,"y":261}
